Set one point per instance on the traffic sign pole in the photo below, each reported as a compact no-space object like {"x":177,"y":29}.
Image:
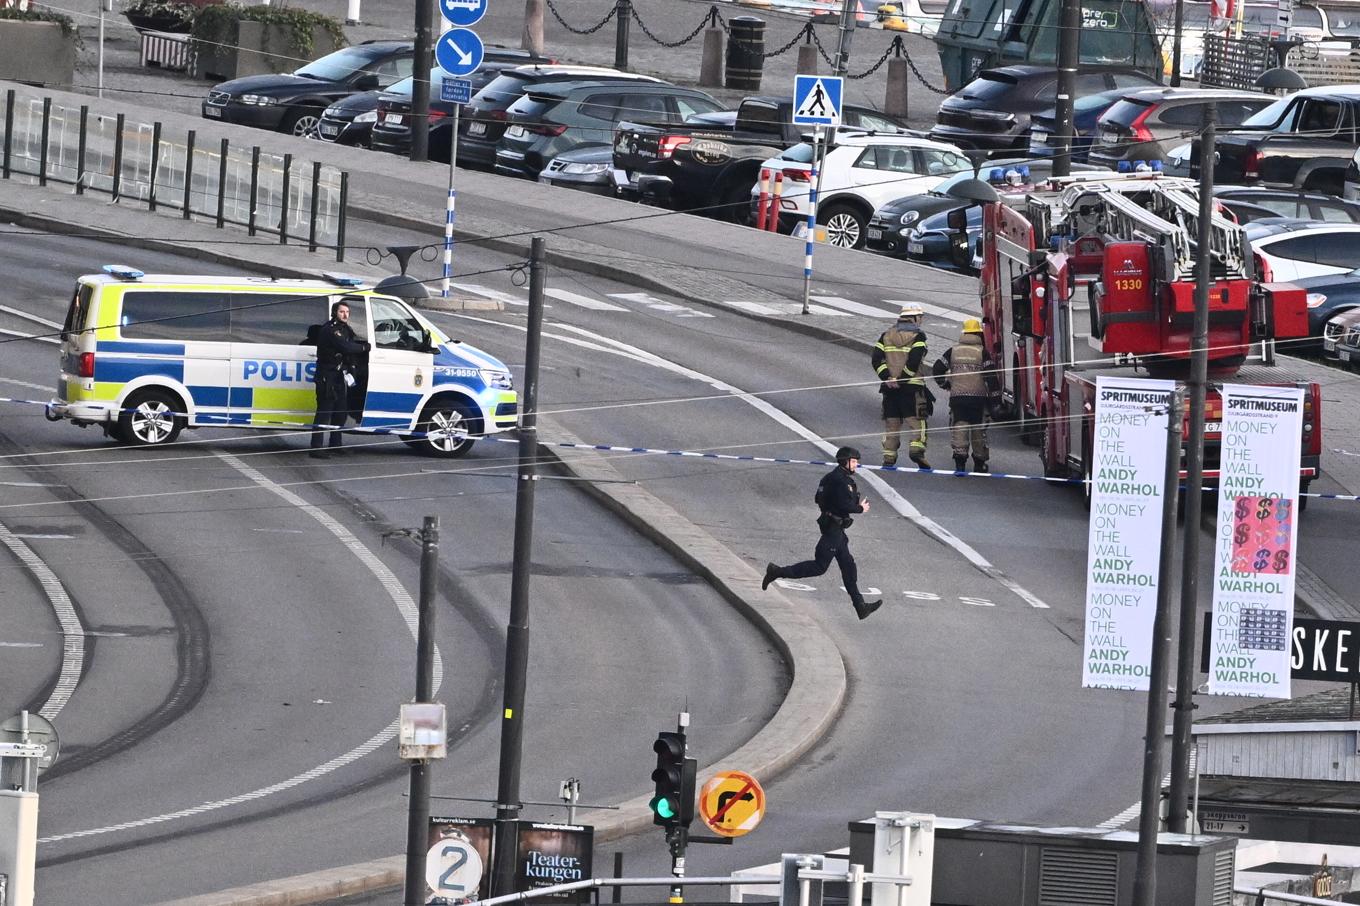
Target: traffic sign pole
{"x":812,"y":215}
{"x":453,"y":198}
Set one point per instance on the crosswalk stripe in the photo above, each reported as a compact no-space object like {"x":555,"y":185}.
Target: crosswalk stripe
{"x":754,"y":308}
{"x":858,"y":308}
{"x":783,"y":308}
{"x":488,"y":293}
{"x":937,"y":310}
{"x":583,"y":301}
{"x":656,"y":304}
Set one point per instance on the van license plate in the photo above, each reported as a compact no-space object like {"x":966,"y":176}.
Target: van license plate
{"x":1213,"y":427}
{"x":476,"y":128}
{"x":515,"y":132}
{"x":393,"y":119}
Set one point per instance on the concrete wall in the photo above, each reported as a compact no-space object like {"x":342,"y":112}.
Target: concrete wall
{"x":36,"y":53}
{"x":258,"y":52}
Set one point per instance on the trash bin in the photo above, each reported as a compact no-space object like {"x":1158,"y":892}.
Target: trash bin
{"x":745,"y":52}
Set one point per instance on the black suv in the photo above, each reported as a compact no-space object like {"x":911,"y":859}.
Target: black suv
{"x":992,"y":112}
{"x":292,"y":102}
{"x":1303,"y":141}
{"x":560,"y":117}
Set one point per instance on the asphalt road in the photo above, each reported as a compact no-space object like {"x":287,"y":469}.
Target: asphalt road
{"x":247,"y":639}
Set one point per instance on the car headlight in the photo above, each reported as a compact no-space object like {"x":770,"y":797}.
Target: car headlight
{"x":909,"y":217}
{"x":330,"y":111}
{"x":258,"y":100}
{"x":583,"y":169}
{"x":1316,"y":299}
{"x":369,"y":117}
{"x":497,"y":380}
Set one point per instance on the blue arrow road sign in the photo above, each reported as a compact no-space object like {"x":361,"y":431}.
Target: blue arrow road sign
{"x":463,"y":12}
{"x":455,"y":91}
{"x":459,"y":52}
{"x":817,"y":100}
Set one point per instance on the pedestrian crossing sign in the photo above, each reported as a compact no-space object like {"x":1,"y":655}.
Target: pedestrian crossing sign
{"x":817,"y":100}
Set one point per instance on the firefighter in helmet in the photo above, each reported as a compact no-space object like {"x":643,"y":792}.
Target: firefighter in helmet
{"x":898,"y":359}
{"x":970,"y":377}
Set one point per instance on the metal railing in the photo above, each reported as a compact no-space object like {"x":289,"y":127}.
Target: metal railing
{"x":268,"y":193}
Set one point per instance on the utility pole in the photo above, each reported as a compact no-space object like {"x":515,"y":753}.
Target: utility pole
{"x":1184,"y":710}
{"x":1149,"y":818}
{"x":1069,"y":55}
{"x":420,"y":82}
{"x":623,"y":16}
{"x":418,"y":815}
{"x":517,"y":633}
{"x":532,"y":39}
{"x":842,"y":63}
{"x":1176,"y":44}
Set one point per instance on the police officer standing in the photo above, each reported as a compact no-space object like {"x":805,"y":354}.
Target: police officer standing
{"x":336,"y":344}
{"x":970,"y":377}
{"x":897,"y":359}
{"x":839,"y":498}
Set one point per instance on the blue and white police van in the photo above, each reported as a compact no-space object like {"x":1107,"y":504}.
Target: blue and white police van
{"x":145,"y":356}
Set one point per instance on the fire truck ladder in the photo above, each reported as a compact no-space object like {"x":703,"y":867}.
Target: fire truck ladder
{"x":1225,"y":238}
{"x":1126,"y":219}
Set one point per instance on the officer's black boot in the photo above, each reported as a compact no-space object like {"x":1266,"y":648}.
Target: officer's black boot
{"x":919,"y":457}
{"x":863,"y":608}
{"x":772,"y":572}
{"x":960,"y":463}
{"x":979,"y":465}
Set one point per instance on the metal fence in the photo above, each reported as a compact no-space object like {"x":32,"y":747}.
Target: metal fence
{"x":274,"y":194}
{"x":1234,"y":62}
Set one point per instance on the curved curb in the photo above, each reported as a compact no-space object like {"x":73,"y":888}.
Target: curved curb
{"x":810,"y":706}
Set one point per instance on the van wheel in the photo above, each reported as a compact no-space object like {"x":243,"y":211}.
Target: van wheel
{"x":149,"y":418}
{"x":447,"y":431}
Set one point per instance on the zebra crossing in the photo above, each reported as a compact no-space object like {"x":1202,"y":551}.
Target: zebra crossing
{"x":819,"y":304}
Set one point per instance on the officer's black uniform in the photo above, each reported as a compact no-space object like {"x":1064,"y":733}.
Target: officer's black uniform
{"x":839,"y":498}
{"x":335,"y":344}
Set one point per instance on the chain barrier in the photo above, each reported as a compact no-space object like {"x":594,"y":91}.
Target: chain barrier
{"x":896,"y":45}
{"x":911,"y":64}
{"x":552,"y":7}
{"x":812,"y":33}
{"x":685,"y":40}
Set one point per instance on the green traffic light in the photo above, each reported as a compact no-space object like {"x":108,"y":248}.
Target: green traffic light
{"x":665,"y":808}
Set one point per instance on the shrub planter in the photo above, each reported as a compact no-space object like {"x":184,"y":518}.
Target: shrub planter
{"x":37,"y":53}
{"x":258,"y":48}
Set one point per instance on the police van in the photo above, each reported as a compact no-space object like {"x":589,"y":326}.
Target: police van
{"x":145,"y":356}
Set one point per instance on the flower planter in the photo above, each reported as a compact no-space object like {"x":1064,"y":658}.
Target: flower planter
{"x":36,"y":53}
{"x":256,"y":48}
{"x":169,"y":22}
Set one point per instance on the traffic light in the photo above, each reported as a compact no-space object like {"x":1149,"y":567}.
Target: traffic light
{"x":673,"y":803}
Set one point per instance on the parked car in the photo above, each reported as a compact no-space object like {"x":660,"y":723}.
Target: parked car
{"x":1345,"y":326}
{"x":992,"y":112}
{"x":392,"y":129}
{"x":587,"y":169}
{"x":349,"y":121}
{"x":1287,"y":203}
{"x":484,"y":119}
{"x":1304,"y":141}
{"x":553,"y":119}
{"x":1147,"y":123}
{"x":1294,"y":249}
{"x":861,"y":171}
{"x":1328,"y":296}
{"x":1351,"y":181}
{"x":711,"y":160}
{"x":1086,"y":111}
{"x":293,"y":102}
{"x":918,"y":227}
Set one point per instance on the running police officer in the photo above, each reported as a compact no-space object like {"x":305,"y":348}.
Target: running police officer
{"x":970,"y":377}
{"x":839,"y":499}
{"x":336,"y":348}
{"x":897,"y":359}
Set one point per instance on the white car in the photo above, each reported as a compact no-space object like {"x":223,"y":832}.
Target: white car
{"x":861,"y":172}
{"x":1294,"y":249}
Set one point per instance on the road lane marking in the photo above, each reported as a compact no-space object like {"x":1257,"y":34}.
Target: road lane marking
{"x":19,"y":313}
{"x":885,"y":490}
{"x":29,"y":384}
{"x":569,"y":297}
{"x":27,"y":336}
{"x":406,"y":606}
{"x":28,"y":484}
{"x":72,"y":632}
{"x":488,"y":293}
{"x":858,"y":308}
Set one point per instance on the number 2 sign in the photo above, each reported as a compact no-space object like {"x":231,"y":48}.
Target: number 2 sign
{"x":453,"y":867}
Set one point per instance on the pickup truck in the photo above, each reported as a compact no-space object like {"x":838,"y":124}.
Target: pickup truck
{"x":1303,"y":141}
{"x":710,"y":163}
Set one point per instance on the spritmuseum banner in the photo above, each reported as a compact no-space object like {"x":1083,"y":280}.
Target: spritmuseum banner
{"x":1123,"y":545}
{"x":1255,"y":552}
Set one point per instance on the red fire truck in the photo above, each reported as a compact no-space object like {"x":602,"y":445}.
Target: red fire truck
{"x":1092,"y":275}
